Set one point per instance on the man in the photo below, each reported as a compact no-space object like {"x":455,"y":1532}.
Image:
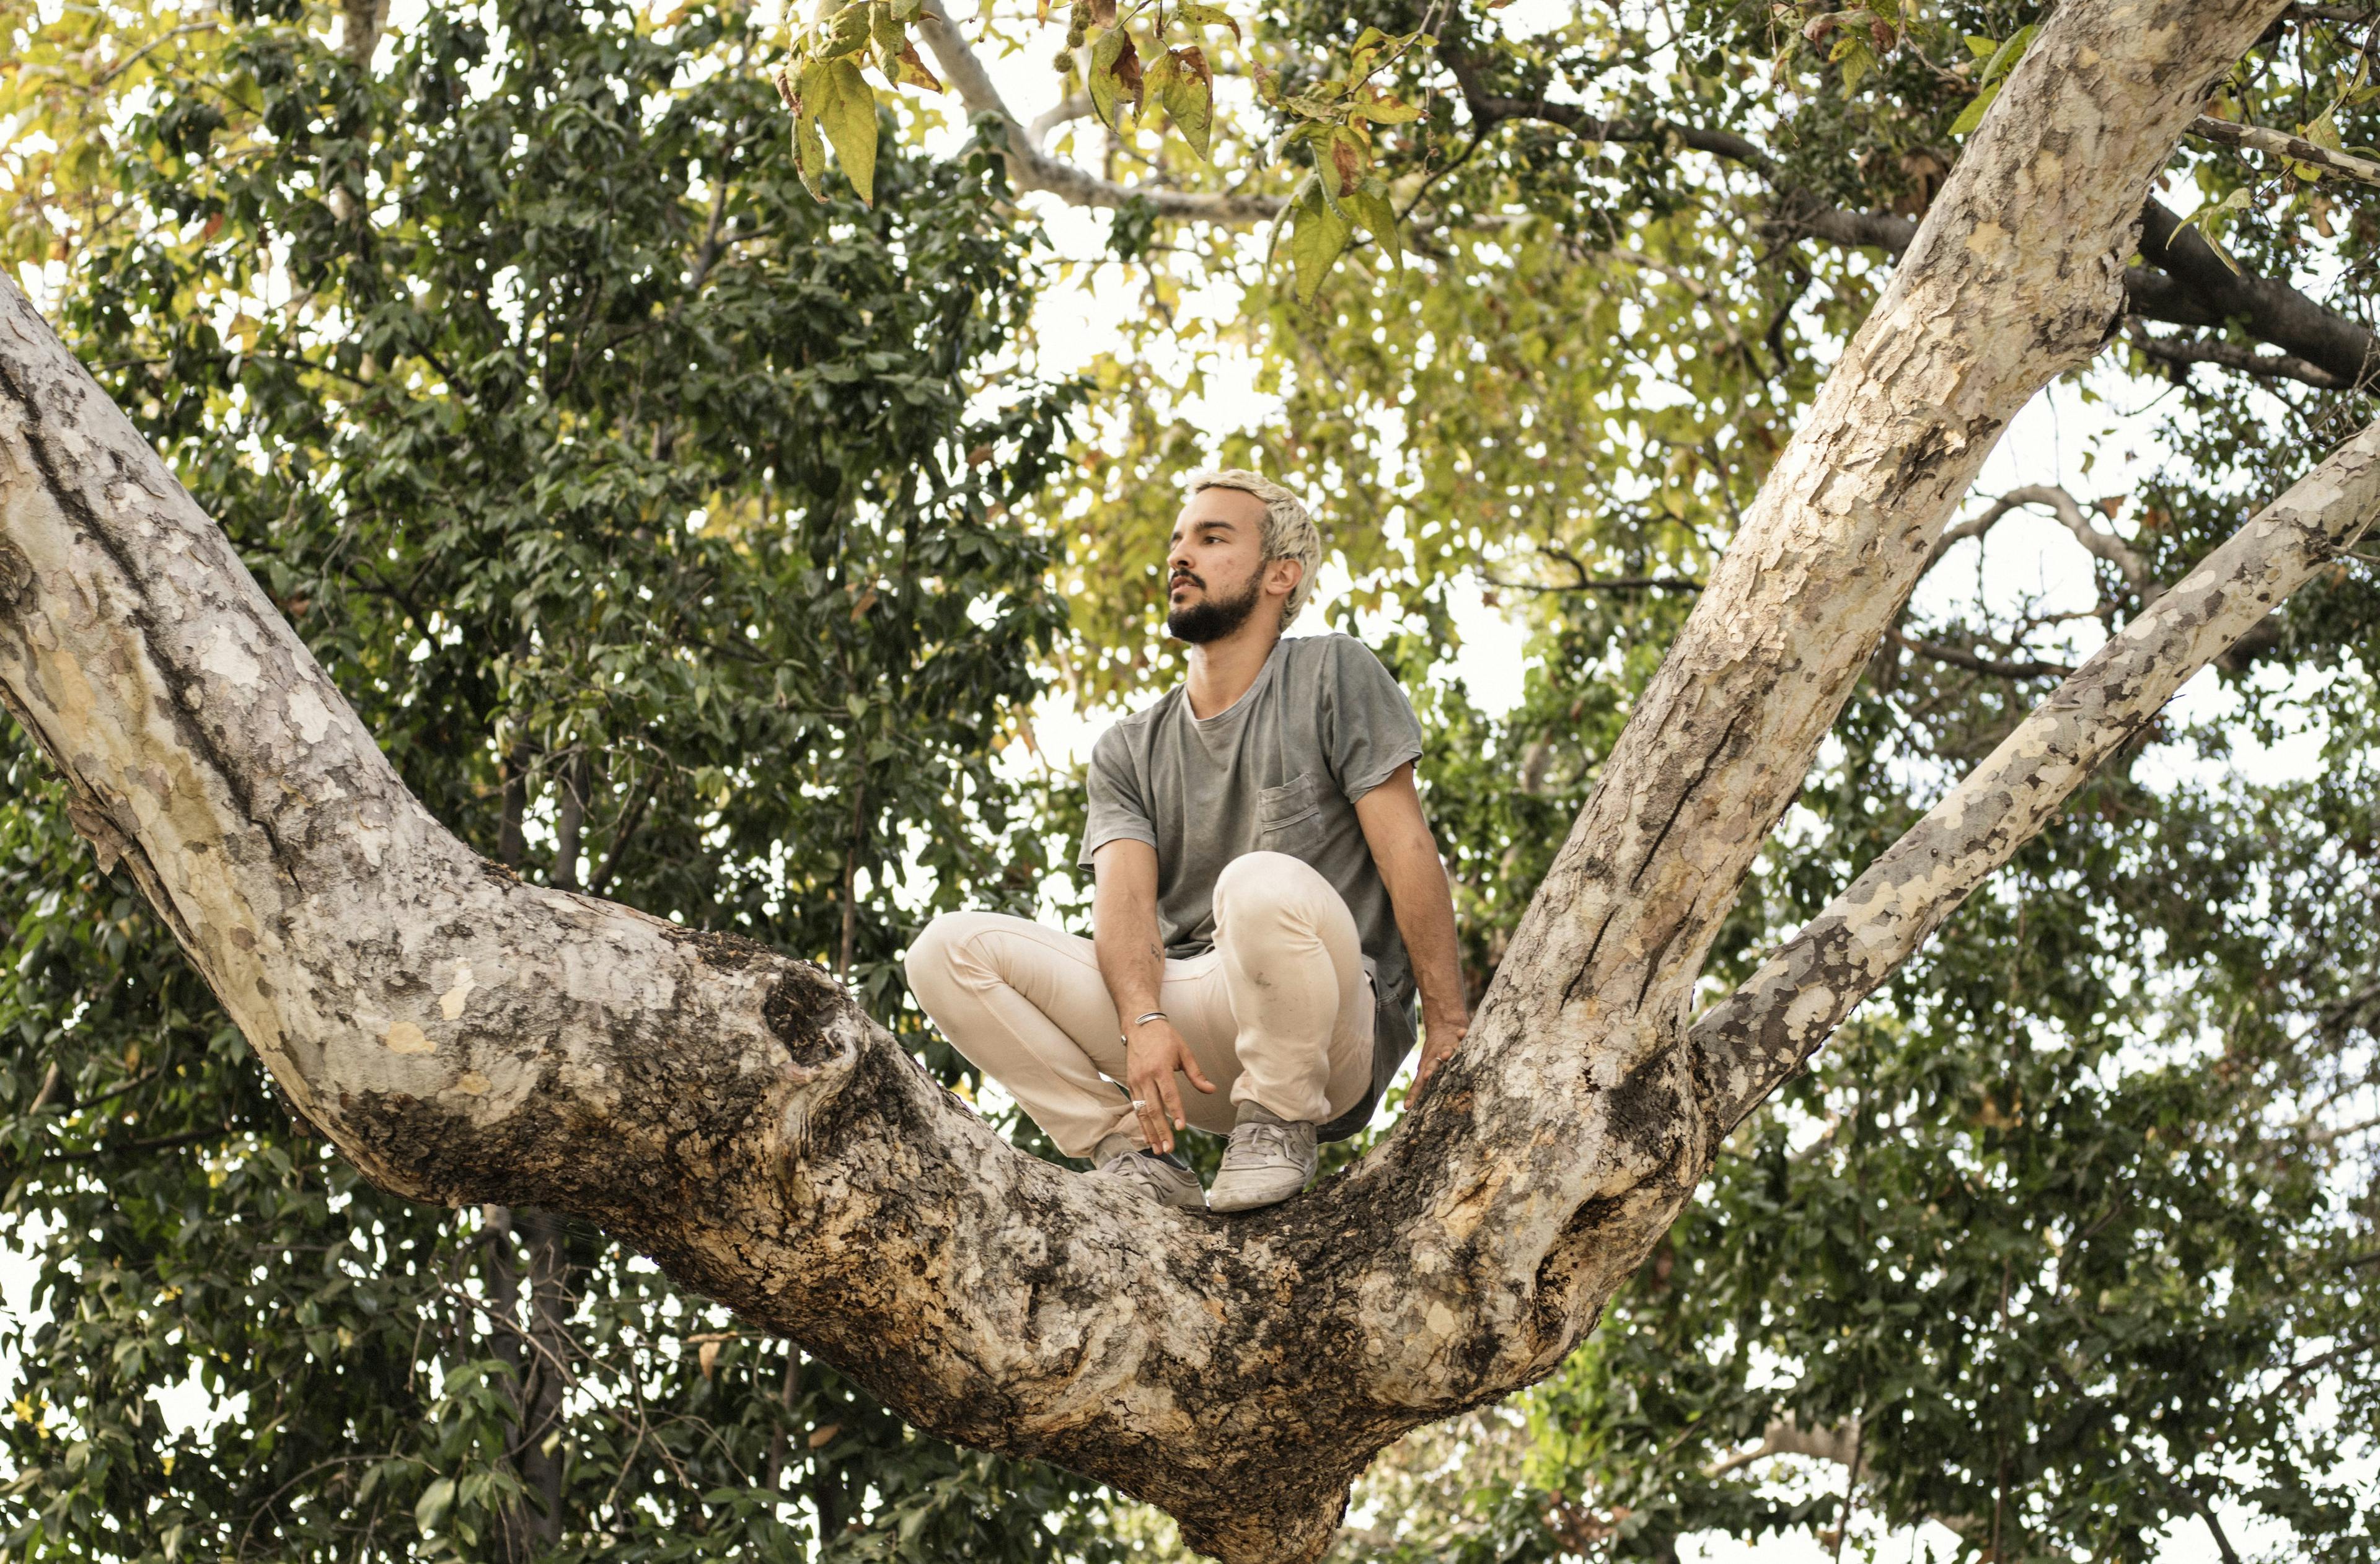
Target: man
{"x":1267,"y":895}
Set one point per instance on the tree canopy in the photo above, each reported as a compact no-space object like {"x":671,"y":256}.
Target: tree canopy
{"x":689,"y":540}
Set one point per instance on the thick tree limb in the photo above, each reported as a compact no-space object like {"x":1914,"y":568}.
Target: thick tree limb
{"x":1973,"y":320}
{"x":1800,"y":994}
{"x":465,"y":1038}
{"x":2193,"y":289}
{"x":2270,"y":311}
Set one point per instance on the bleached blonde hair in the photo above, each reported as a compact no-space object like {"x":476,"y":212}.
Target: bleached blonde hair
{"x":1289,"y":530}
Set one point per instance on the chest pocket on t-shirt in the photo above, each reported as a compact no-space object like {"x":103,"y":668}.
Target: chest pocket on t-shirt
{"x":1289,"y":818}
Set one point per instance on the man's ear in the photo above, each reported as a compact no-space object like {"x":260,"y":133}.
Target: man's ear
{"x":1282,"y":575}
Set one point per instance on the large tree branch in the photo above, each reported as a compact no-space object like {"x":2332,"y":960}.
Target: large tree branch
{"x":2269,"y":310}
{"x":1802,"y":992}
{"x":2013,"y":277}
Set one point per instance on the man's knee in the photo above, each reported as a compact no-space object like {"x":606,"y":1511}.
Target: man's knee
{"x":1256,"y":885}
{"x":943,"y":950}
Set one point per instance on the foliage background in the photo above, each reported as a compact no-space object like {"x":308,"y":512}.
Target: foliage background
{"x":752,"y":559}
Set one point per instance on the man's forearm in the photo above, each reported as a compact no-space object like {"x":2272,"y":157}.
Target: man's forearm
{"x":1132,"y":966}
{"x":1405,"y":852}
{"x":1124,"y":927}
{"x":1425,"y":911}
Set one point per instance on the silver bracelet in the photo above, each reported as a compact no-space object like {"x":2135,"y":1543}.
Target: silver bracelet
{"x":1152,"y":1016}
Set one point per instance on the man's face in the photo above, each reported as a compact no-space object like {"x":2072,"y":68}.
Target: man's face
{"x":1215,"y":565}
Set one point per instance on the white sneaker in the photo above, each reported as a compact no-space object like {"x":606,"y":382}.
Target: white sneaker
{"x":1268,"y":1161}
{"x":1162,"y":1176}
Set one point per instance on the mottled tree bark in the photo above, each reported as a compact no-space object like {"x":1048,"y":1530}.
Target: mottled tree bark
{"x":466,"y":1037}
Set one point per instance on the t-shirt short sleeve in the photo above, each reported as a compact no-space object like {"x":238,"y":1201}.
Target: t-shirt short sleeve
{"x":1118,"y":813}
{"x":1370,"y":728}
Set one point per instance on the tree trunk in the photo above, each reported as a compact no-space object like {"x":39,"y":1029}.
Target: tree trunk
{"x":467,"y":1037}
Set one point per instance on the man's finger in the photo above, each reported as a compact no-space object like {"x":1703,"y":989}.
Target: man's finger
{"x":1152,"y":1122}
{"x":1197,"y":1076}
{"x":1172,"y":1101}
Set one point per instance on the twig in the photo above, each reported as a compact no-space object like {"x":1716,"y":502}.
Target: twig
{"x":2281,"y":144}
{"x":1977,"y":663}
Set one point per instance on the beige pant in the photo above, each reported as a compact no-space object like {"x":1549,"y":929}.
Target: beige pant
{"x":1279,"y":1013}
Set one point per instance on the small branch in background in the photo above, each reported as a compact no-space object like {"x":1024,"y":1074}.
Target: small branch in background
{"x":2281,"y":144}
{"x":161,"y":1143}
{"x":623,"y":834}
{"x":1586,"y":581}
{"x":2346,"y":16}
{"x":2180,"y":353}
{"x":361,"y":24}
{"x":2102,"y":543}
{"x":570,"y":817}
{"x":49,"y":1088}
{"x":1977,"y":663}
{"x":850,"y":882}
{"x":1606,"y":583}
{"x":1030,"y":168}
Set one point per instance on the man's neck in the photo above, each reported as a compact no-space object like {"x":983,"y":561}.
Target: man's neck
{"x":1221,"y":671}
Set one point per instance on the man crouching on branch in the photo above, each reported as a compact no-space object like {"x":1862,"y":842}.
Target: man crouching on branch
{"x":1263,"y":870}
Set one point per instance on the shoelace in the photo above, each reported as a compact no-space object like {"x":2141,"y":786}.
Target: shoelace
{"x":1260,"y":1137}
{"x":1133,"y":1164}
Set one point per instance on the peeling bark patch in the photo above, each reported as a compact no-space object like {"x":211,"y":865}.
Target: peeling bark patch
{"x":181,"y":710}
{"x":404,"y":1037}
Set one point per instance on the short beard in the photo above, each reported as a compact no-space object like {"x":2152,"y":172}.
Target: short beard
{"x":1211,"y":621}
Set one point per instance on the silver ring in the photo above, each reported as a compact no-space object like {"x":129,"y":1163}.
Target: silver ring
{"x":1138,"y":1105}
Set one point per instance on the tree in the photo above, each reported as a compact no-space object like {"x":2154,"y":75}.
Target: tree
{"x":845,"y":1201}
{"x":658,"y":627}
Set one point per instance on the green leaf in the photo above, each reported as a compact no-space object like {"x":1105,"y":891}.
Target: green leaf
{"x":1369,"y":45}
{"x":1981,"y":48}
{"x":886,"y":35}
{"x":1180,"y":83}
{"x":434,"y":1504}
{"x":1206,"y":15}
{"x":846,"y":112}
{"x":1973,"y":114}
{"x":1114,"y":74}
{"x":1370,"y":202}
{"x":2005,"y":58}
{"x":846,"y":33}
{"x":1852,"y":52}
{"x":809,"y":151}
{"x":1382,"y":108}
{"x":1318,"y":237}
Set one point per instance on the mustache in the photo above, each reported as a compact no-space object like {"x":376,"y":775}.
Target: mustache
{"x":1181,"y":576}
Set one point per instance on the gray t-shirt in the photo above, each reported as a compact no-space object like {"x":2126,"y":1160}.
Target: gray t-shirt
{"x":1279,"y":771}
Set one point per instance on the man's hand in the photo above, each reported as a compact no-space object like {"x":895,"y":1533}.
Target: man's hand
{"x":1440,"y":1039}
{"x":1152,"y":1053}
